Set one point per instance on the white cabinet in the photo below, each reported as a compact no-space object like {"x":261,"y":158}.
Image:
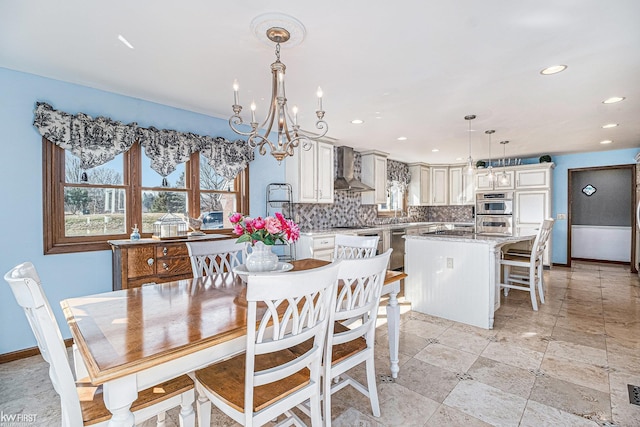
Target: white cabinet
{"x":439,"y":185}
{"x":483,"y":183}
{"x":419,"y":188}
{"x":310,"y":173}
{"x":461,"y":186}
{"x":316,"y":246}
{"x":531,"y":208}
{"x":374,"y":174}
{"x":535,"y":176}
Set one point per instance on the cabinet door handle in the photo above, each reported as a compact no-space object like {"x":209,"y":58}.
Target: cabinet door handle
{"x":150,"y":261}
{"x":164,"y":251}
{"x":165,"y":266}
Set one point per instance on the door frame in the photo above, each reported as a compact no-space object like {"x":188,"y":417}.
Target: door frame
{"x":634,"y":203}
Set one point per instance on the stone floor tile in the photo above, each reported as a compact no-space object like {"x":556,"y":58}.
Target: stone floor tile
{"x":575,"y":399}
{"x":431,"y":381}
{"x":448,"y":416}
{"x":536,"y":415}
{"x":505,"y":377}
{"x":487,"y":403}
{"x":447,"y":357}
{"x":584,"y":374}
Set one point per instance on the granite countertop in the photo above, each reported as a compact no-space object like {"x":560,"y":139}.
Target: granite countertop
{"x":473,"y":238}
{"x":379,"y":227}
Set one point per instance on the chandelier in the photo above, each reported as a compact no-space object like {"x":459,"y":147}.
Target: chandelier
{"x":289,"y":133}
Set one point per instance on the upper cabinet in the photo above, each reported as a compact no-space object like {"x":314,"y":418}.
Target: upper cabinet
{"x":461,"y":186}
{"x":522,"y":177}
{"x":536,"y":176}
{"x":310,"y":173}
{"x":419,"y":188}
{"x":483,"y":182}
{"x":374,"y":174}
{"x":439,"y":185}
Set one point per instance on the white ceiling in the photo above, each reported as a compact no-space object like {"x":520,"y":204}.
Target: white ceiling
{"x":420,"y":66}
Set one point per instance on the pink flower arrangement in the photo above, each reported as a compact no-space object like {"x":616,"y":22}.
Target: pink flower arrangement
{"x":269,"y":230}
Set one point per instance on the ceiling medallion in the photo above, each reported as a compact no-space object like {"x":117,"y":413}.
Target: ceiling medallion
{"x":278,"y":29}
{"x":589,"y":190}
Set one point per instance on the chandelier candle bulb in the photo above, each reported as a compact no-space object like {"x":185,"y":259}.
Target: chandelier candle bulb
{"x":295,"y":115}
{"x":319,"y":93}
{"x":235,"y":92}
{"x":253,"y":111}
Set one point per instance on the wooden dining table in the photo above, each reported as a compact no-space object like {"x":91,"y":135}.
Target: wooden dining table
{"x":132,"y":339}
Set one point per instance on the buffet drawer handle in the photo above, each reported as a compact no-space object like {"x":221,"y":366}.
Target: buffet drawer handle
{"x":164,"y":251}
{"x":165,"y":265}
{"x":150,"y":261}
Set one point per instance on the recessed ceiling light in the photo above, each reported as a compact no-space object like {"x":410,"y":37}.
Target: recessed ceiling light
{"x":458,"y":159}
{"x":402,"y":138}
{"x":606,"y":141}
{"x":435,"y":150}
{"x":609,"y":125}
{"x":613,"y":100}
{"x":125,"y":41}
{"x":357,"y":121}
{"x":553,"y":69}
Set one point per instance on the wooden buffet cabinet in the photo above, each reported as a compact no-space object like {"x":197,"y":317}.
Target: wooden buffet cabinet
{"x":136,"y":262}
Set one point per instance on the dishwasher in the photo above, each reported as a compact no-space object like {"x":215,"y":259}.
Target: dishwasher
{"x":397,"y":243}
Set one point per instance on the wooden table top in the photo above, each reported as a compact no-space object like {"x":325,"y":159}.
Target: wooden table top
{"x":127,"y":331}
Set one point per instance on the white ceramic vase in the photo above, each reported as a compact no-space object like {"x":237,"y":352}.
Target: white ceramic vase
{"x":261,"y":258}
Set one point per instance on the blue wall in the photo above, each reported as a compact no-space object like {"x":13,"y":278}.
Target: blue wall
{"x":560,"y":199}
{"x":70,"y":275}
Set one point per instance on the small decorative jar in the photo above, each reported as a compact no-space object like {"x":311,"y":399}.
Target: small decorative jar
{"x":261,"y":258}
{"x":135,"y":235}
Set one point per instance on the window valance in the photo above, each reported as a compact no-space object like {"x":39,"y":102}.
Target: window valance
{"x":398,"y":172}
{"x":97,"y":141}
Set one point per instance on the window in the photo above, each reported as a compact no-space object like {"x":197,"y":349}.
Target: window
{"x":396,"y":203}
{"x":82,"y":215}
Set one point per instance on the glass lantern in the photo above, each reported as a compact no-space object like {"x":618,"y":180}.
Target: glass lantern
{"x":169,"y":226}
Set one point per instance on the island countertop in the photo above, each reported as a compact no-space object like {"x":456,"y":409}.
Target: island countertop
{"x":473,"y":238}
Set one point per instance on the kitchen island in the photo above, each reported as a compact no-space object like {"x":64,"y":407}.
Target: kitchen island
{"x":456,"y":276}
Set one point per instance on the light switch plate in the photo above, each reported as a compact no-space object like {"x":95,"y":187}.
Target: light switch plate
{"x":449,"y":262}
{"x":561,"y":216}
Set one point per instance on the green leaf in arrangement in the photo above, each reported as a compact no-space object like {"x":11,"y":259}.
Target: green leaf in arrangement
{"x":244,"y":238}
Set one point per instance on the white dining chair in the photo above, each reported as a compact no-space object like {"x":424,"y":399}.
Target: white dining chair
{"x":525,"y":271}
{"x":268,"y":379}
{"x":351,"y":335}
{"x":81,"y":402}
{"x":209,"y":257}
{"x":348,"y":247}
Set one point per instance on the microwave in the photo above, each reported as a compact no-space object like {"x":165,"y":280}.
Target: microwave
{"x":494,"y":203}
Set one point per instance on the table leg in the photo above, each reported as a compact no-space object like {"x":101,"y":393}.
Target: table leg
{"x":393,"y":325}
{"x":118,"y":395}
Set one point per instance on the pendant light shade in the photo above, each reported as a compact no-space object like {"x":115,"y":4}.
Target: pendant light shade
{"x":470,"y":167}
{"x":504,"y":178}
{"x":492,"y":175}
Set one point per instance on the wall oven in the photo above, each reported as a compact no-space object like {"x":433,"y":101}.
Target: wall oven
{"x":494,"y":213}
{"x":494,"y":225}
{"x":498,"y":203}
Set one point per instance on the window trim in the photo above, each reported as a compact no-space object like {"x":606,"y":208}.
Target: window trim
{"x":54,"y":240}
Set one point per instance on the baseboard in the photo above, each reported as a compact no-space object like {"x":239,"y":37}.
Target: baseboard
{"x":27,"y":352}
{"x":601,"y":261}
{"x":557,"y":264}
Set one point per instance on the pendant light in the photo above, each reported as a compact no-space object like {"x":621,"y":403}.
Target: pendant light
{"x":504,"y":178}
{"x":492,"y":175}
{"x":469,"y":168}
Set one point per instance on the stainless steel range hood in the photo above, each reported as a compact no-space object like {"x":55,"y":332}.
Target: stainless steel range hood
{"x":345,"y":180}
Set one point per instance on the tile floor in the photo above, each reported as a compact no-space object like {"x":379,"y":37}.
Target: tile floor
{"x":566,"y":365}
